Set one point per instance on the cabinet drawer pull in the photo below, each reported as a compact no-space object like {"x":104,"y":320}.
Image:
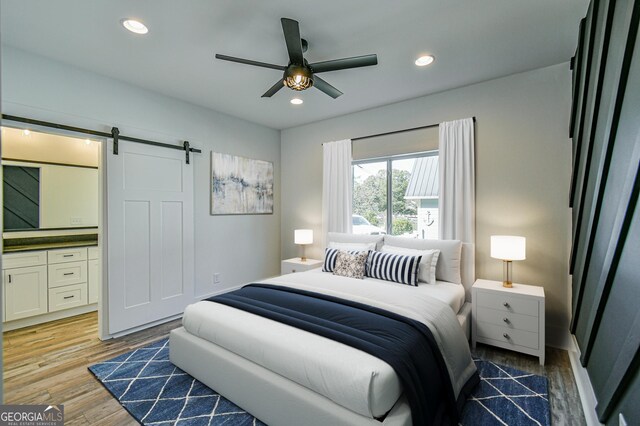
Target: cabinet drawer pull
{"x":505,"y":304}
{"x":67,"y":255}
{"x":68,"y":273}
{"x":506,"y":336}
{"x":68,"y":297}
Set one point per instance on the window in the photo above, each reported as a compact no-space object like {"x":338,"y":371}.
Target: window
{"x":396,"y":195}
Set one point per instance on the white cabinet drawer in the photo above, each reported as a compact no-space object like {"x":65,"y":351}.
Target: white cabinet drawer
{"x":507,"y":335}
{"x":67,"y":273}
{"x":93,"y":253}
{"x":20,"y":260}
{"x":67,"y":255}
{"x":507,"y":303}
{"x":508,"y":319}
{"x":67,"y":297}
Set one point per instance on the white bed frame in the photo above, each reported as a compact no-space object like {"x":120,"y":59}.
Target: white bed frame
{"x":275,"y":399}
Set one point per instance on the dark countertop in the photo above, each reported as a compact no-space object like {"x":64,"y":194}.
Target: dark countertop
{"x":49,"y":246}
{"x":14,"y":245}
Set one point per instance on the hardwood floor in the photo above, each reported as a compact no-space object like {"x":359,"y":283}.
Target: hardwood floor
{"x":47,"y":364}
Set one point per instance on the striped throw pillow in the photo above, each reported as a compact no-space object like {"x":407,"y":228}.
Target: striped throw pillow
{"x":393,"y":267}
{"x":330,"y":256}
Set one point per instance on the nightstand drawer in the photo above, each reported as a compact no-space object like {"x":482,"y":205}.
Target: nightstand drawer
{"x":508,"y":319}
{"x":290,"y":269}
{"x":291,"y":266}
{"x":507,"y":335}
{"x":507,"y":303}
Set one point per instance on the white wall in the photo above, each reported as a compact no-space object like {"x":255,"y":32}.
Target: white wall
{"x":240,"y":248}
{"x":49,"y":148}
{"x":68,"y":195}
{"x":523,"y":165}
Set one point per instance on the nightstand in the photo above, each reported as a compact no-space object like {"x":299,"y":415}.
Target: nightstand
{"x":510,"y":318}
{"x":290,"y":266}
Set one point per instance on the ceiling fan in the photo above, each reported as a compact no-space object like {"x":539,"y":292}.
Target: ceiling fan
{"x":299,"y":74}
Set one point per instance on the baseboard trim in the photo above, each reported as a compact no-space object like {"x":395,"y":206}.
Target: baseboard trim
{"x":559,"y":338}
{"x":171,"y":318}
{"x":51,"y":316}
{"x":587,"y":396}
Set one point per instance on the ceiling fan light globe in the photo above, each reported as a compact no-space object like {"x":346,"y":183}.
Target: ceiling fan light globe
{"x":298,"y":78}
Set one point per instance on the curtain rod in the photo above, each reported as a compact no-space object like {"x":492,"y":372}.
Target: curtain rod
{"x":399,"y":131}
{"x":184,"y":147}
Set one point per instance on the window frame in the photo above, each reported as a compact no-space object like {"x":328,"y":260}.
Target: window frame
{"x":389,"y":160}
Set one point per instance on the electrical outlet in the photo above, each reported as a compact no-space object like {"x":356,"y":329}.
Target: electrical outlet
{"x":216,"y":277}
{"x":621,"y":420}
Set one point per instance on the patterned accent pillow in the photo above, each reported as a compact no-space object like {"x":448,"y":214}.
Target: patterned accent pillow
{"x":330,"y":256}
{"x":351,"y":265}
{"x":394,"y":267}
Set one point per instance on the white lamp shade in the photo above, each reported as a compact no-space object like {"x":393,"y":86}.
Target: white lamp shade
{"x":508,"y":247}
{"x":303,"y":236}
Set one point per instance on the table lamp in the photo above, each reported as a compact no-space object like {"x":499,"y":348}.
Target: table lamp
{"x":303,"y":237}
{"x":508,"y":248}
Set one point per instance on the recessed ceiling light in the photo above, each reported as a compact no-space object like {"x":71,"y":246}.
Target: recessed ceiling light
{"x":425,"y":60}
{"x":26,"y":132}
{"x":87,"y":141}
{"x":135,"y":26}
{"x":296,"y":101}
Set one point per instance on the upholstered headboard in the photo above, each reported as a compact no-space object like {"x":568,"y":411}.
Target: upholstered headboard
{"x":467,"y":255}
{"x":468,"y":268}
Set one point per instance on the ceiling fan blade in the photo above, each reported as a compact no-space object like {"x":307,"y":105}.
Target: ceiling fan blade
{"x":291,"y":32}
{"x":322,"y":85}
{"x":346,"y":63}
{"x":250,"y":62}
{"x":274,"y":89}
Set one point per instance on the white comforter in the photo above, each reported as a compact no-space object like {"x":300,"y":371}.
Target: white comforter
{"x":347,"y":376}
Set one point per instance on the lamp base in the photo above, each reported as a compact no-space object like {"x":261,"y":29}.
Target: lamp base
{"x":507,"y":266}
{"x":303,"y":257}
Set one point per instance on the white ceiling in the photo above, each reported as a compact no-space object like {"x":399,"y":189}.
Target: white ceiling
{"x":472,"y":41}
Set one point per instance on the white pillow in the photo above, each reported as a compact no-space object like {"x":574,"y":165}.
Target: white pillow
{"x":341,"y":237}
{"x":352,"y":246}
{"x":427,"y":270}
{"x":448,"y":267}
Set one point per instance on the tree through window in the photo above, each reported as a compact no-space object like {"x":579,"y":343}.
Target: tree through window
{"x":396,"y":195}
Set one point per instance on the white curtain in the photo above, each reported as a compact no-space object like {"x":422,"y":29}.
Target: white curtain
{"x":457,"y":211}
{"x":337,"y":184}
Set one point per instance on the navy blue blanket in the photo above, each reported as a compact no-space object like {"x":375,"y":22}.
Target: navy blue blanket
{"x":408,"y":346}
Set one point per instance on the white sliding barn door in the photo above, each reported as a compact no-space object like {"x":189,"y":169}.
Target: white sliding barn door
{"x":150,"y":234}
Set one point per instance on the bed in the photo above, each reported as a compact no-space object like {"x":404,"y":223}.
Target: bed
{"x":287,"y":376}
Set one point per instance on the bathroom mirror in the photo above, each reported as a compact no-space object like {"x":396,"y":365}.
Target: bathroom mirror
{"x":49,"y":181}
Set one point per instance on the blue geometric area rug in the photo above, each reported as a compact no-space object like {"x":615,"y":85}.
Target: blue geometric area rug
{"x":506,"y":396}
{"x":156,"y":392}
